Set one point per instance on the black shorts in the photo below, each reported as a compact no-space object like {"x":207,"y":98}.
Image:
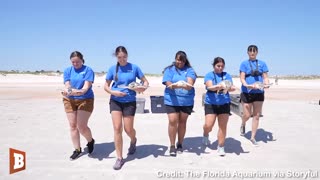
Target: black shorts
{"x":217,"y":109}
{"x":250,"y":98}
{"x":127,"y":109}
{"x":177,"y":109}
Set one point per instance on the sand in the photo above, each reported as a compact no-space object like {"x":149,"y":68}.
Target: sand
{"x":33,"y":120}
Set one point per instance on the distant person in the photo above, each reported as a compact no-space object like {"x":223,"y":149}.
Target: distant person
{"x":178,"y":98}
{"x":217,"y":102}
{"x":123,"y":100}
{"x":78,"y":101}
{"x":276,"y":80}
{"x":252,"y":95}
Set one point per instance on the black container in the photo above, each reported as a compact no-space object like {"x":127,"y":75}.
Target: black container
{"x":157,"y":104}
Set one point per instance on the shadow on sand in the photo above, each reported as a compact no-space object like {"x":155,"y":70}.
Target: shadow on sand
{"x":101,"y":151}
{"x":143,"y":151}
{"x":194,"y":145}
{"x":261,"y":135}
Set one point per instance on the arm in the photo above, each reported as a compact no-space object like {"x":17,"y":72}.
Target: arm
{"x":170,"y":85}
{"x":145,"y":81}
{"x":211,"y":87}
{"x":243,"y":81}
{"x":191,"y":82}
{"x":76,"y":92}
{"x":233,"y":88}
{"x":66,"y":91}
{"x":145,"y":85}
{"x":265,"y":79}
{"x":114,"y":93}
{"x":167,"y":79}
{"x":79,"y":92}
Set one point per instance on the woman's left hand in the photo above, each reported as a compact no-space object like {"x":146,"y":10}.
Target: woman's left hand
{"x":140,"y":89}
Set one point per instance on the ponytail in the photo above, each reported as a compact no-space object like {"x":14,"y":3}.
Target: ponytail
{"x":117,"y":69}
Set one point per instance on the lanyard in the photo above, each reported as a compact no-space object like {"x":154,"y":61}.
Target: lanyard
{"x":257,"y":67}
{"x":215,"y":77}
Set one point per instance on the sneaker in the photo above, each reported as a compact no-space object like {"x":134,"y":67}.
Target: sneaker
{"x":179,"y":148}
{"x":76,"y":154}
{"x":118,"y":165}
{"x":132,"y":148}
{"x":221,"y":151}
{"x":205,"y":140}
{"x":173,"y":151}
{"x":254,"y":142}
{"x":242,"y":129}
{"x":90,"y":146}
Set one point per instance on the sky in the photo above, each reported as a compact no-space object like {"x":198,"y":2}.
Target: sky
{"x":40,"y":35}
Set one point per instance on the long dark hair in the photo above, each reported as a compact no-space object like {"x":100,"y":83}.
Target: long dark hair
{"x":117,"y":51}
{"x":182,"y":56}
{"x":77,"y":54}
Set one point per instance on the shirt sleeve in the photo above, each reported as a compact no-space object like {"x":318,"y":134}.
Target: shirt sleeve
{"x":110,"y":74}
{"x":66,"y":75}
{"x":243,"y":67}
{"x":229,"y":77}
{"x":139,"y":73}
{"x":191,"y":74}
{"x":89,"y":75}
{"x":167,"y":76}
{"x":265,"y":67}
{"x":207,"y":77}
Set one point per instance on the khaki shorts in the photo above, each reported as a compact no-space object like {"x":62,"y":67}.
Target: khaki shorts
{"x":71,"y":105}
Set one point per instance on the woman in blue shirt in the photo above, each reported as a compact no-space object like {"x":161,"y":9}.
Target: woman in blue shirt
{"x":178,"y":98}
{"x":78,"y":101}
{"x":217,"y":102}
{"x":123,"y":100}
{"x":252,"y":71}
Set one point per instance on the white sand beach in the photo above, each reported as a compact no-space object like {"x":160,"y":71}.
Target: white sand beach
{"x":33,"y":120}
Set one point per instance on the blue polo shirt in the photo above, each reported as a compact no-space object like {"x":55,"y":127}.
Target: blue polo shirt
{"x":246,"y":68}
{"x":77,"y":78}
{"x":126,"y":75}
{"x":179,"y":96}
{"x":213,"y":97}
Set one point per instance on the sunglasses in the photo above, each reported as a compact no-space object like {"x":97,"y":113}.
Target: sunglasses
{"x":252,"y":50}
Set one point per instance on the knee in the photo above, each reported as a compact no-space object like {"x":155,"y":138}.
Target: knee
{"x":73,"y":127}
{"x":83,"y":128}
{"x":129,"y":130}
{"x":117,"y":130}
{"x":222,"y":128}
{"x":182,"y":123}
{"x":207,"y":127}
{"x":172,"y":123}
{"x":256,"y":117}
{"x":246,"y":115}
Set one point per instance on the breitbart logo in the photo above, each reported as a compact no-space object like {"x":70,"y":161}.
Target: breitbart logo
{"x":17,"y":160}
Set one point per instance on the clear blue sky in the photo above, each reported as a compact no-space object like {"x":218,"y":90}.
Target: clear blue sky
{"x":37,"y":34}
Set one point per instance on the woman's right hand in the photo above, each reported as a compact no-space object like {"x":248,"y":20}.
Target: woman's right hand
{"x":253,"y":86}
{"x":118,"y":93}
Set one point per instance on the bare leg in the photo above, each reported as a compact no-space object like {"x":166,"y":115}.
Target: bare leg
{"x":222,"y":133}
{"x":173,"y":127}
{"x":82,"y":123}
{"x":257,"y":107}
{"x":246,"y":112}
{"x":117,"y":127}
{"x":128,"y":127}
{"x":182,"y":126}
{"x":210,"y":119}
{"x":75,"y":136}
